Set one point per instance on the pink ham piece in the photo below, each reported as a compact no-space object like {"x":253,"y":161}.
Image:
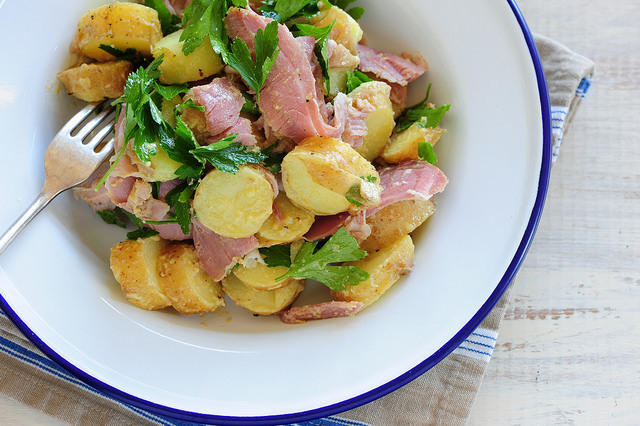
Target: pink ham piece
{"x":390,"y":67}
{"x":218,"y":254}
{"x":333,"y":309}
{"x":177,"y":6}
{"x":289,"y":100}
{"x":411,"y":180}
{"x":222,"y":102}
{"x":98,"y":200}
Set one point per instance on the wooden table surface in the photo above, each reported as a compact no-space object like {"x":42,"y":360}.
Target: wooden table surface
{"x":569,"y":348}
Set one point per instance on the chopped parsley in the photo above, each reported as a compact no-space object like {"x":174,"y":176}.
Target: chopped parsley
{"x":355,"y":12}
{"x":111,"y":217}
{"x":278,"y":255}
{"x":168,"y":21}
{"x":226,"y":154}
{"x":141,"y":231}
{"x":355,"y":79}
{"x":425,"y":152}
{"x":319,"y":264}
{"x":285,"y":10}
{"x":421,"y":114}
{"x":321,"y":49}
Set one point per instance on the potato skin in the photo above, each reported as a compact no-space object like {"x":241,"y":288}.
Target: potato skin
{"x":380,"y":122}
{"x":178,"y":68}
{"x":320,"y":172}
{"x":403,"y":146}
{"x":134,"y":266}
{"x":234,"y":205}
{"x":385,"y":267}
{"x":184,"y":281}
{"x":97,"y":81}
{"x":261,"y":302}
{"x":395,"y":221}
{"x":118,"y":24}
{"x":288,"y":225}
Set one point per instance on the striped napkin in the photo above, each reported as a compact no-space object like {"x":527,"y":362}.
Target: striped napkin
{"x":442,"y":396}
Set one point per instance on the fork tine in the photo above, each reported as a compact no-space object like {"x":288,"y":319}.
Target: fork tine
{"x":79,"y":117}
{"x":100,"y":135}
{"x":105,"y":150}
{"x":94,"y":123}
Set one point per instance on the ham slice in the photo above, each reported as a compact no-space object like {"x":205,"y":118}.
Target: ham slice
{"x":222,"y":102}
{"x":289,"y":99}
{"x":334,"y":309}
{"x":98,"y":200}
{"x":390,"y":67}
{"x":219,"y":254}
{"x":411,"y":180}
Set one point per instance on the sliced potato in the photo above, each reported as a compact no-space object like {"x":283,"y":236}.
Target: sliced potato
{"x":261,"y":302}
{"x":97,"y":81}
{"x":321,"y":175}
{"x":184,"y":281}
{"x":120,"y":25}
{"x":286,"y":224}
{"x":345,"y":31}
{"x":385,"y":267}
{"x":380,"y":123}
{"x":403,"y":146}
{"x":178,"y":68}
{"x":262,"y":277}
{"x":395,"y":221}
{"x":234,"y":205}
{"x":134,"y":266}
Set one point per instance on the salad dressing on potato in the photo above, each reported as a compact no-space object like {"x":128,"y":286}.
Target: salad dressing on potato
{"x":258,"y":145}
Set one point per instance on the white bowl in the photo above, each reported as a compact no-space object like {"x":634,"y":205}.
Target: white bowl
{"x":230,"y":367}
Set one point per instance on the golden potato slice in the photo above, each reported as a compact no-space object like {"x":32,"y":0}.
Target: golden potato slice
{"x":286,"y":224}
{"x":134,"y":266}
{"x":380,"y":123}
{"x":395,"y":221}
{"x":403,"y":146}
{"x":96,"y":82}
{"x":184,"y":281}
{"x":234,"y":205}
{"x":177,"y":68}
{"x":120,"y":25}
{"x":346,"y":31}
{"x":262,"y":277}
{"x":322,"y":175}
{"x":385,"y":267}
{"x":261,"y":302}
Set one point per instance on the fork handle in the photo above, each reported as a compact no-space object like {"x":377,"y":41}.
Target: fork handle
{"x":36,"y":206}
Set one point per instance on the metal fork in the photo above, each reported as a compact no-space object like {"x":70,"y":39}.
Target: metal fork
{"x":73,"y":155}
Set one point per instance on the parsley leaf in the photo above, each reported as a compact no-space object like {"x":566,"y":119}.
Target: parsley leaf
{"x":284,"y":10}
{"x":425,"y":152}
{"x":353,"y":196}
{"x":273,"y":161}
{"x":321,"y":49}
{"x":355,"y":79}
{"x":266,"y":47}
{"x":142,"y":231}
{"x":168,"y":21}
{"x":179,"y":198}
{"x":111,"y":217}
{"x":422,"y":114}
{"x":226,"y":155}
{"x":130,"y":54}
{"x":278,"y":255}
{"x":317,"y":265}
{"x":202,"y":19}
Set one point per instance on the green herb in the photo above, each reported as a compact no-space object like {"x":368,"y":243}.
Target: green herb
{"x":273,"y":161}
{"x":226,"y":155}
{"x":202,"y":19}
{"x":425,"y":152}
{"x":355,"y":79}
{"x":278,"y":255}
{"x":142,"y":231}
{"x":421,"y":114}
{"x":321,"y":48}
{"x":355,"y":12}
{"x":369,"y":178}
{"x":284,"y":10}
{"x":111,"y":217}
{"x":353,"y":196}
{"x":249,"y":106}
{"x":179,"y":199}
{"x":318,"y":265}
{"x":130,"y":54}
{"x":266,"y":48}
{"x":168,"y":21}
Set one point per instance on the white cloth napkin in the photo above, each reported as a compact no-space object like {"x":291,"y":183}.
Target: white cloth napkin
{"x":442,"y":396}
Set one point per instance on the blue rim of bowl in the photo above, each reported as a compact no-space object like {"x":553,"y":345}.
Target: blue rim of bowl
{"x":398,"y":382}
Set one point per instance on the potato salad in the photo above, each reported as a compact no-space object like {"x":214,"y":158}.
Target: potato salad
{"x":259,"y":146}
